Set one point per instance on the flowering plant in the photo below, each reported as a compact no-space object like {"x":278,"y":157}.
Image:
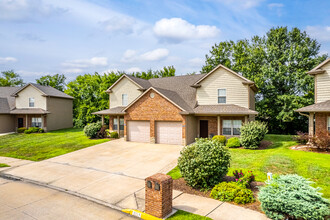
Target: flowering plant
{"x":242,"y":179}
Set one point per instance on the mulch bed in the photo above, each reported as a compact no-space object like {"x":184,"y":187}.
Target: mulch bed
{"x":309,"y":149}
{"x":180,"y":184}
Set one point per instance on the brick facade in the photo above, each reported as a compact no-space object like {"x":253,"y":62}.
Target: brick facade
{"x":153,"y":109}
{"x":28,"y":123}
{"x":158,"y":203}
{"x":321,"y":122}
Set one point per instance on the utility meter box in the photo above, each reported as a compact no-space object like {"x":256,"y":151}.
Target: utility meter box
{"x":159,"y":189}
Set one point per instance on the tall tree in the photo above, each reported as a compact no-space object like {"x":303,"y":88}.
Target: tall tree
{"x":56,"y":81}
{"x":10,"y":78}
{"x":277,"y":63}
{"x":89,"y":92}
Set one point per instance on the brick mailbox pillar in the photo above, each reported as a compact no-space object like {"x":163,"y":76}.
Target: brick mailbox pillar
{"x":159,"y":189}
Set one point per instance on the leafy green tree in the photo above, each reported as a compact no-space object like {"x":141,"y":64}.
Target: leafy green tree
{"x":277,"y":62}
{"x":56,"y":81}
{"x":89,"y":92}
{"x":10,"y":78}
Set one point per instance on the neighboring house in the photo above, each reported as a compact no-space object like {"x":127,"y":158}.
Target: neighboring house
{"x":34,"y":105}
{"x":176,"y":110}
{"x":320,"y":111}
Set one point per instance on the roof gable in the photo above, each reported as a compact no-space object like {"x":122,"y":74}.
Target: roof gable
{"x":45,"y":91}
{"x":317,"y":69}
{"x":140,"y":83}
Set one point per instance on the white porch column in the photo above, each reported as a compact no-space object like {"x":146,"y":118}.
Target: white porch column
{"x":311,"y":124}
{"x":26,"y":121}
{"x":118,"y":126}
{"x":219,"y":123}
{"x":246,"y":119}
{"x":102,"y":120}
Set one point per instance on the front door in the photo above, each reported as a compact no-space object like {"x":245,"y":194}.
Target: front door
{"x":20,"y":122}
{"x":203,"y":128}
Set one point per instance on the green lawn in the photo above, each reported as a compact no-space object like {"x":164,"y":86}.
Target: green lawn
{"x":186,"y":215}
{"x":279,"y":159}
{"x":4,"y":165}
{"x":42,"y":146}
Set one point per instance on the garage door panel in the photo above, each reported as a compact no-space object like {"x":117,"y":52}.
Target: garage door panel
{"x":169,"y":132}
{"x":138,"y":131}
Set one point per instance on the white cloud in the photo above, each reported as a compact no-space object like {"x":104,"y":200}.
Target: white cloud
{"x":26,"y":10}
{"x":86,"y":63}
{"x":177,"y":30}
{"x":321,"y":33}
{"x":7,"y":60}
{"x":119,"y":24}
{"x":153,"y":55}
{"x":275,"y":5}
{"x":196,"y":62}
{"x":133,"y":69}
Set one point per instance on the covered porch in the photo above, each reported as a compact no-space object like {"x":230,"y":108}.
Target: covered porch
{"x":30,"y":118}
{"x":116,"y":119}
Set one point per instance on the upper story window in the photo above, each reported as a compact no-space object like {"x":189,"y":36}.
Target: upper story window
{"x":328,"y":123}
{"x":124,"y":100}
{"x":31,"y":102}
{"x":222,"y":96}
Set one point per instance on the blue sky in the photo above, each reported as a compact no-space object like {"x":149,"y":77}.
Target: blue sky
{"x":74,"y":37}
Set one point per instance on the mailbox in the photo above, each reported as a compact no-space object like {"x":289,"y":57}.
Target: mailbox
{"x":158,"y":194}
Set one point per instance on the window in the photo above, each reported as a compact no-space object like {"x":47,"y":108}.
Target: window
{"x":115,"y":124}
{"x":124,"y":99}
{"x":36,"y":122}
{"x":328,"y":123}
{"x":222,"y":96}
{"x":231,"y":127}
{"x":31,"y":102}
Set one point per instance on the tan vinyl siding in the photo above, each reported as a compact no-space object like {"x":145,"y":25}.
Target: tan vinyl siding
{"x":191,"y":129}
{"x":7,"y":123}
{"x":60,"y":113}
{"x":252,"y":99}
{"x":124,"y":86}
{"x":323,"y":85}
{"x":22,"y":100}
{"x":236,"y":92}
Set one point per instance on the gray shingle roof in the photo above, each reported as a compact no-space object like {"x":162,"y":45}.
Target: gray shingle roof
{"x":112,"y":111}
{"x":47,"y":91}
{"x":142,"y":82}
{"x":7,"y":102}
{"x":28,"y":111}
{"x":224,"y":109}
{"x":319,"y":107}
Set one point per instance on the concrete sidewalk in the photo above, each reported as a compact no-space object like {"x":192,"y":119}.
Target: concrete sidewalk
{"x":12,"y":162}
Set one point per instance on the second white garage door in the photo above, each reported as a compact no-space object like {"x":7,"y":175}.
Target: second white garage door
{"x":169,"y":132}
{"x":138,"y":131}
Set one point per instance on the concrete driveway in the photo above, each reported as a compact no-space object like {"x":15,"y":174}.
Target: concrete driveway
{"x":112,"y":173}
{"x":25,"y":201}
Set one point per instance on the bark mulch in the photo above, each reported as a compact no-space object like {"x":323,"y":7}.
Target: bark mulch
{"x":180,"y":184}
{"x":309,"y":149}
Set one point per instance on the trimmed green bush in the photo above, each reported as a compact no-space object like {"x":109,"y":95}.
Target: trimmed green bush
{"x":232,"y":192}
{"x":204,"y":163}
{"x":32,"y":130}
{"x":292,"y":197}
{"x":220,"y":138}
{"x":233,"y":142}
{"x":114,"y":134}
{"x":21,"y":130}
{"x":252,"y":133}
{"x":92,"y":129}
{"x":41,"y":130}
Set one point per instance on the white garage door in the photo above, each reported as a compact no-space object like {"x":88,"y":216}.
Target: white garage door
{"x":169,"y":133}
{"x":138,"y":131}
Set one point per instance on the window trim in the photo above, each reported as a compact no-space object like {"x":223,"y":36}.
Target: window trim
{"x":122,"y":99}
{"x":115,"y":125}
{"x":31,"y":106}
{"x":328,"y":123}
{"x":231,"y":127}
{"x":225,"y":96}
{"x":36,"y":122}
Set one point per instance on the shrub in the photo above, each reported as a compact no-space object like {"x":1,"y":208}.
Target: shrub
{"x":114,"y":134}
{"x":245,"y":180}
{"x":204,"y":163}
{"x":292,"y":197}
{"x":32,"y":130}
{"x":252,"y":134}
{"x":231,"y":191}
{"x":92,"y":129}
{"x":41,"y":130}
{"x":233,"y":142}
{"x":301,"y":137}
{"x":21,"y":130}
{"x":322,"y":140}
{"x":220,"y":138}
